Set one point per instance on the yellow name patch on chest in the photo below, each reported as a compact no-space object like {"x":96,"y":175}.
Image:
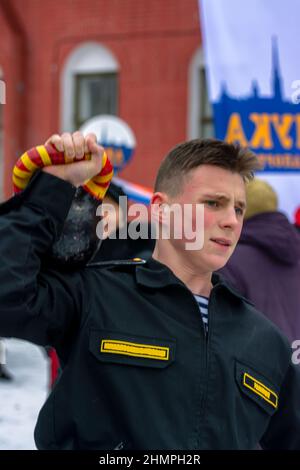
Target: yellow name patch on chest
{"x":135,"y":349}
{"x":260,"y":389}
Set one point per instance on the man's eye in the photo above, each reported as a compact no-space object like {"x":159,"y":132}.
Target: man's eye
{"x":239,"y":211}
{"x":212,"y":203}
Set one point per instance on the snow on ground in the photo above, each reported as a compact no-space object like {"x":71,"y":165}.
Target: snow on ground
{"x":22,"y":398}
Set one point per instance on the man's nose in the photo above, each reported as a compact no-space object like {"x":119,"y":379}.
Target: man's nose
{"x":229,"y":218}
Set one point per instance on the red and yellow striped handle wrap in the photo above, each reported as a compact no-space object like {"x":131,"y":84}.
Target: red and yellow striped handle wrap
{"x":45,"y":155}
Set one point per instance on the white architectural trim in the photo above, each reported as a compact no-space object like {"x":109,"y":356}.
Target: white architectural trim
{"x":194,"y":95}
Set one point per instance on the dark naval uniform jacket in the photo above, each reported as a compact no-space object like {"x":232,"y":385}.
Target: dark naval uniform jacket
{"x":138,"y":370}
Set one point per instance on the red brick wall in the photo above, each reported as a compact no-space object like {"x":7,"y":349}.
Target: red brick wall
{"x":153,"y":41}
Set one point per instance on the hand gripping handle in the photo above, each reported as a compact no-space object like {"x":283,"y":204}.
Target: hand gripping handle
{"x":45,"y":155}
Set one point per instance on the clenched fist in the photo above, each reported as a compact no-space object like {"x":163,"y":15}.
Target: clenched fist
{"x":75,"y":146}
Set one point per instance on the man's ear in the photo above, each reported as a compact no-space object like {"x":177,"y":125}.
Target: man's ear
{"x":159,"y":203}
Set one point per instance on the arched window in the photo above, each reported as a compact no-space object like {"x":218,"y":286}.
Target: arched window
{"x":89,"y":85}
{"x":200,"y":115}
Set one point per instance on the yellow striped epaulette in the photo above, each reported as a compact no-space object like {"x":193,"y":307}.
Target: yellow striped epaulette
{"x":117,"y":262}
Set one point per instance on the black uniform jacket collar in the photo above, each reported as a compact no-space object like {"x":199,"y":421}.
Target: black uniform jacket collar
{"x":156,"y":275}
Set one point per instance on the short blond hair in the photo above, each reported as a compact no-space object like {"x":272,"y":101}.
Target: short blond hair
{"x":260,"y":197}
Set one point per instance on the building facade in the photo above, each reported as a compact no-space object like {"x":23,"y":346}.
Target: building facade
{"x":64,"y":61}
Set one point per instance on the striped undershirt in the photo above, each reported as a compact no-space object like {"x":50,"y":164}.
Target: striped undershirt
{"x":203,"y":307}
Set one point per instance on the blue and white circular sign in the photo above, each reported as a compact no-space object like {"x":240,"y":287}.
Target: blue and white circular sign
{"x":115,"y":136}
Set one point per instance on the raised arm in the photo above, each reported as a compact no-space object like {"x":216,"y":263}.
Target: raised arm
{"x":43,"y":306}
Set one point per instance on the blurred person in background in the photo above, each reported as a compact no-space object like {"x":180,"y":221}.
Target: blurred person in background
{"x":265,"y":267}
{"x":113,"y":247}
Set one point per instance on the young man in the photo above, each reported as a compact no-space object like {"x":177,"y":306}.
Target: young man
{"x":146,"y":365}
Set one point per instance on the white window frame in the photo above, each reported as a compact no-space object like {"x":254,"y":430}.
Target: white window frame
{"x":194,"y":96}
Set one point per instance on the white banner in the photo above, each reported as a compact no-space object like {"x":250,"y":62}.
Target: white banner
{"x":252,"y":60}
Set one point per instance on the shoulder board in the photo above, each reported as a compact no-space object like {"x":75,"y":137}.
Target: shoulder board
{"x":117,"y":262}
